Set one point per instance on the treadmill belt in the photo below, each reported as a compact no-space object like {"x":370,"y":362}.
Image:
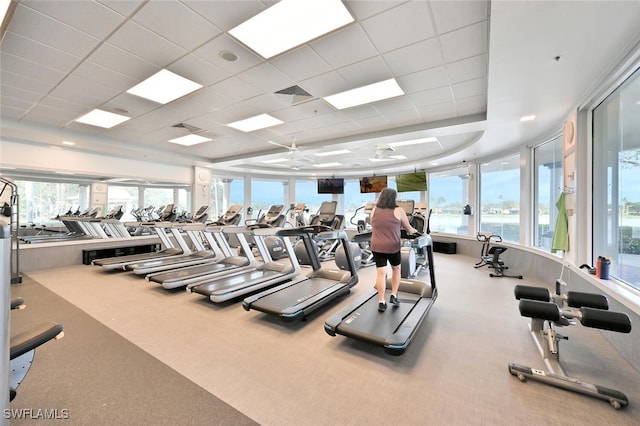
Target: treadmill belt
{"x":293,"y":295}
{"x":368,"y":324}
{"x":189,"y":272}
{"x":244,"y":279}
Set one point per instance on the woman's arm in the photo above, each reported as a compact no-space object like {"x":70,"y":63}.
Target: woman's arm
{"x":404,"y":221}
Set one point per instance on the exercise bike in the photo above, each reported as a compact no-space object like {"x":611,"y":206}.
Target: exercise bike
{"x":547,"y":312}
{"x":490,"y":255}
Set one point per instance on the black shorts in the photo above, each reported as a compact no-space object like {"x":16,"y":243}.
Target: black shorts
{"x":382,"y":258}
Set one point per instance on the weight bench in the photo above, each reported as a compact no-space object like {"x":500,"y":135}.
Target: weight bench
{"x":23,"y":347}
{"x":548,"y":311}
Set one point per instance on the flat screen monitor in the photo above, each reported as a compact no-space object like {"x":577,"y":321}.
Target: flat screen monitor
{"x":411,"y":182}
{"x":331,"y":186}
{"x":372,"y":184}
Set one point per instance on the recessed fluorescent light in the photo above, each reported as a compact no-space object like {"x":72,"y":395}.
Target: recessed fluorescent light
{"x":65,"y":173}
{"x":414,"y":141}
{"x":189,"y":140}
{"x":255,"y":123}
{"x":101,"y":118}
{"x":334,"y":164}
{"x":68,"y":143}
{"x":366,"y":94}
{"x":398,"y":157}
{"x":528,"y":118}
{"x":329,"y":153}
{"x":290,"y":23}
{"x":163,"y":87}
{"x":275,"y":160}
{"x":377,"y":160}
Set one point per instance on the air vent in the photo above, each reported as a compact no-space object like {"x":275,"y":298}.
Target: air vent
{"x":296,"y":94}
{"x":188,"y":127}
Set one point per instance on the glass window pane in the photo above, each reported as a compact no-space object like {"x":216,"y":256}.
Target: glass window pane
{"x":307,"y":192}
{"x":41,"y":202}
{"x":264,"y":194}
{"x":547,"y":160}
{"x":616,"y":195}
{"x":355,"y":200}
{"x":448,"y":194}
{"x":125,"y":196}
{"x":500,"y":198}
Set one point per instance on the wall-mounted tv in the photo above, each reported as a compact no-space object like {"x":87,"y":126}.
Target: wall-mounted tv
{"x":331,"y":186}
{"x":411,"y":182}
{"x":372,"y":184}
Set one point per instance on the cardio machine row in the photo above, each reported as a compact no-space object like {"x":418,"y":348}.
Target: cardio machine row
{"x":258,"y":263}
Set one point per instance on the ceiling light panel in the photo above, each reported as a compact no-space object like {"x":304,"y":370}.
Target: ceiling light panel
{"x":329,"y":153}
{"x":101,"y":118}
{"x":255,"y":123}
{"x":414,"y":141}
{"x":366,"y":94}
{"x":290,"y":23}
{"x":321,"y":165}
{"x":164,"y":87}
{"x":189,"y":140}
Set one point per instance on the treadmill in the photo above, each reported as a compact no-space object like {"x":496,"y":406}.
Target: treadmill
{"x":298,"y":298}
{"x":224,"y":261}
{"x":395,"y":328}
{"x":119,"y":262}
{"x":250,"y":280}
{"x":187,"y":258}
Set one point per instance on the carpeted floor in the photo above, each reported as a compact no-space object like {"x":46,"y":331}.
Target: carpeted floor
{"x":95,"y":376}
{"x":454,"y":372}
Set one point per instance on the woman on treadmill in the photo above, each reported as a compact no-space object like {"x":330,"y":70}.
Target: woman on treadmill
{"x":386,"y":220}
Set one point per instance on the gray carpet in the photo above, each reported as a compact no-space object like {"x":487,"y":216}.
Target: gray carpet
{"x":454,"y":372}
{"x":95,"y":376}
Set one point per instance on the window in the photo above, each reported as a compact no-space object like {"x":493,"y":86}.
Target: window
{"x":41,"y":202}
{"x":354,"y":200}
{"x":125,"y":196}
{"x":616,"y":173}
{"x":448,"y":194}
{"x":307,"y":192}
{"x":264,"y":194}
{"x":547,"y":159}
{"x":500,"y":198}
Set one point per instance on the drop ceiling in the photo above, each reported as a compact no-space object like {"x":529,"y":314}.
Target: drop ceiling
{"x":469,"y":71}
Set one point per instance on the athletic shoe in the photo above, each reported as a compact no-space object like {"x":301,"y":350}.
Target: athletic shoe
{"x":382,"y":306}
{"x":394,"y":300}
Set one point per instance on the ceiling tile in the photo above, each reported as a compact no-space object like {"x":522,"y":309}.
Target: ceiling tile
{"x":40,"y":28}
{"x":87,"y":16}
{"x":464,"y":43}
{"x":197,"y":69}
{"x":360,"y":47}
{"x":365,"y":72}
{"x":119,"y":60}
{"x":176,"y":22}
{"x":301,"y":63}
{"x":38,"y":53}
{"x":226,"y":13}
{"x":125,"y":8}
{"x":211,"y":51}
{"x":454,"y":14}
{"x":470,"y":88}
{"x":401,"y":26}
{"x":416,"y":57}
{"x":266,"y":77}
{"x":424,"y":80}
{"x":468,"y":69}
{"x":148,"y":45}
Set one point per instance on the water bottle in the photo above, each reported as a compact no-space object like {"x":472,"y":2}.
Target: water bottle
{"x":604,"y":268}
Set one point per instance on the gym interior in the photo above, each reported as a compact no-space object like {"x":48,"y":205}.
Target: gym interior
{"x":516,"y":129}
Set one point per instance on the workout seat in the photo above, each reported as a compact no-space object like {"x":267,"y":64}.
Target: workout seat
{"x":490,"y":255}
{"x":23,"y":345}
{"x":549,"y":311}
